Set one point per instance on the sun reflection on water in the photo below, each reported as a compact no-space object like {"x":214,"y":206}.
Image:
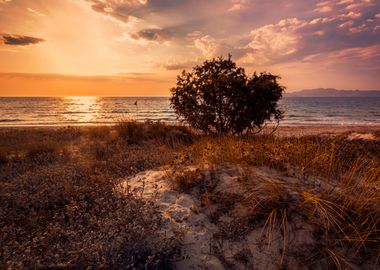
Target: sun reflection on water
{"x":82,"y":109}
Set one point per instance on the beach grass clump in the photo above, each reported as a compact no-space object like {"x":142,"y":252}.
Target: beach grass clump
{"x":327,"y":226}
{"x":138,"y":132}
{"x":185,"y":180}
{"x":98,"y":132}
{"x":309,"y":155}
{"x":45,"y":151}
{"x":42,"y":145}
{"x":332,"y":190}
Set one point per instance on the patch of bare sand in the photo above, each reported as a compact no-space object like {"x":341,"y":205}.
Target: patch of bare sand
{"x":183,"y":220}
{"x":200,"y":248}
{"x":361,"y":136}
{"x":214,"y":237}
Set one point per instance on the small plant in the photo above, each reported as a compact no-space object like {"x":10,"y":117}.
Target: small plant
{"x":185,"y":181}
{"x":132,"y":131}
{"x":135,"y":133}
{"x":44,"y":152}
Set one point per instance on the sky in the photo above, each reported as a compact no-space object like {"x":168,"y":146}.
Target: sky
{"x":138,"y":47}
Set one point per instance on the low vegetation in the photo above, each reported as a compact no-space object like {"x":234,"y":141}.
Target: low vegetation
{"x":60,"y":208}
{"x":330,"y":184}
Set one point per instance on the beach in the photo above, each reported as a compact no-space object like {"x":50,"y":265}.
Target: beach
{"x":136,"y":194}
{"x":189,"y":135}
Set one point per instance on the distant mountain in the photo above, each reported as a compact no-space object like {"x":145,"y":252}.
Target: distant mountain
{"x":331,"y":92}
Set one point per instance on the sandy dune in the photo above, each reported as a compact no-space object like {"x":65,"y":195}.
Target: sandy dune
{"x":260,"y":247}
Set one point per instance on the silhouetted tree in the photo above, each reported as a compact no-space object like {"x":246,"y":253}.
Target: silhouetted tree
{"x":218,"y":97}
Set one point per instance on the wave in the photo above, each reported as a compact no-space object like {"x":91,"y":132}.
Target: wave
{"x":10,"y":120}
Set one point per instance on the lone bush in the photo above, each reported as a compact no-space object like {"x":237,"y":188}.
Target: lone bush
{"x":218,"y":97}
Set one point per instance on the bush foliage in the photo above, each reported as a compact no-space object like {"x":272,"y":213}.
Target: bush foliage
{"x":218,"y":97}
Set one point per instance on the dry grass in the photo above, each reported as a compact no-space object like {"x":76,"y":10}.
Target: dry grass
{"x":136,"y":132}
{"x":330,"y":157}
{"x":337,"y":192}
{"x":60,"y":209}
{"x":185,"y":181}
{"x":59,"y":206}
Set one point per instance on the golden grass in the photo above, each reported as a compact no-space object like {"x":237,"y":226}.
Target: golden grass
{"x":59,"y":206}
{"x":184,"y":181}
{"x":338,"y":191}
{"x":136,"y":132}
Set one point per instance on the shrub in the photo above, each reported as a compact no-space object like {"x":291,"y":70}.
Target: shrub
{"x":135,"y":133}
{"x":218,"y":97}
{"x":184,"y":181}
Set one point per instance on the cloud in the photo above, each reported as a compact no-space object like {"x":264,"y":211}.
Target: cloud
{"x":97,"y":78}
{"x":35,"y":12}
{"x":51,"y":76}
{"x":296,"y":39}
{"x":238,"y":5}
{"x":156,"y":35}
{"x":18,"y":40}
{"x":343,"y":2}
{"x":275,"y":40}
{"x":209,"y":46}
{"x":325,"y":6}
{"x":179,"y":65}
{"x":121,"y":10}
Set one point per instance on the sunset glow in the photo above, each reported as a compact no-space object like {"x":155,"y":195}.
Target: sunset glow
{"x":137,"y":48}
{"x":82,"y":109}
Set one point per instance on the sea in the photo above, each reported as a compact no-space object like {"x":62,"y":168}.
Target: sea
{"x":70,"y":111}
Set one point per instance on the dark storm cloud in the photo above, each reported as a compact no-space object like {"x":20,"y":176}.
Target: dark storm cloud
{"x":18,"y":40}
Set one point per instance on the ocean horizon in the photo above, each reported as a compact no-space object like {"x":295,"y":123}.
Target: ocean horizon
{"x":63,"y":111}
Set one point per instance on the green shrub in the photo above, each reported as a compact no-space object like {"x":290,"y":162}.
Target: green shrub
{"x":218,"y":97}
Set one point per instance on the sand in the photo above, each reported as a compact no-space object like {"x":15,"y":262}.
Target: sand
{"x":322,"y":130}
{"x":194,"y":228}
{"x":191,"y":223}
